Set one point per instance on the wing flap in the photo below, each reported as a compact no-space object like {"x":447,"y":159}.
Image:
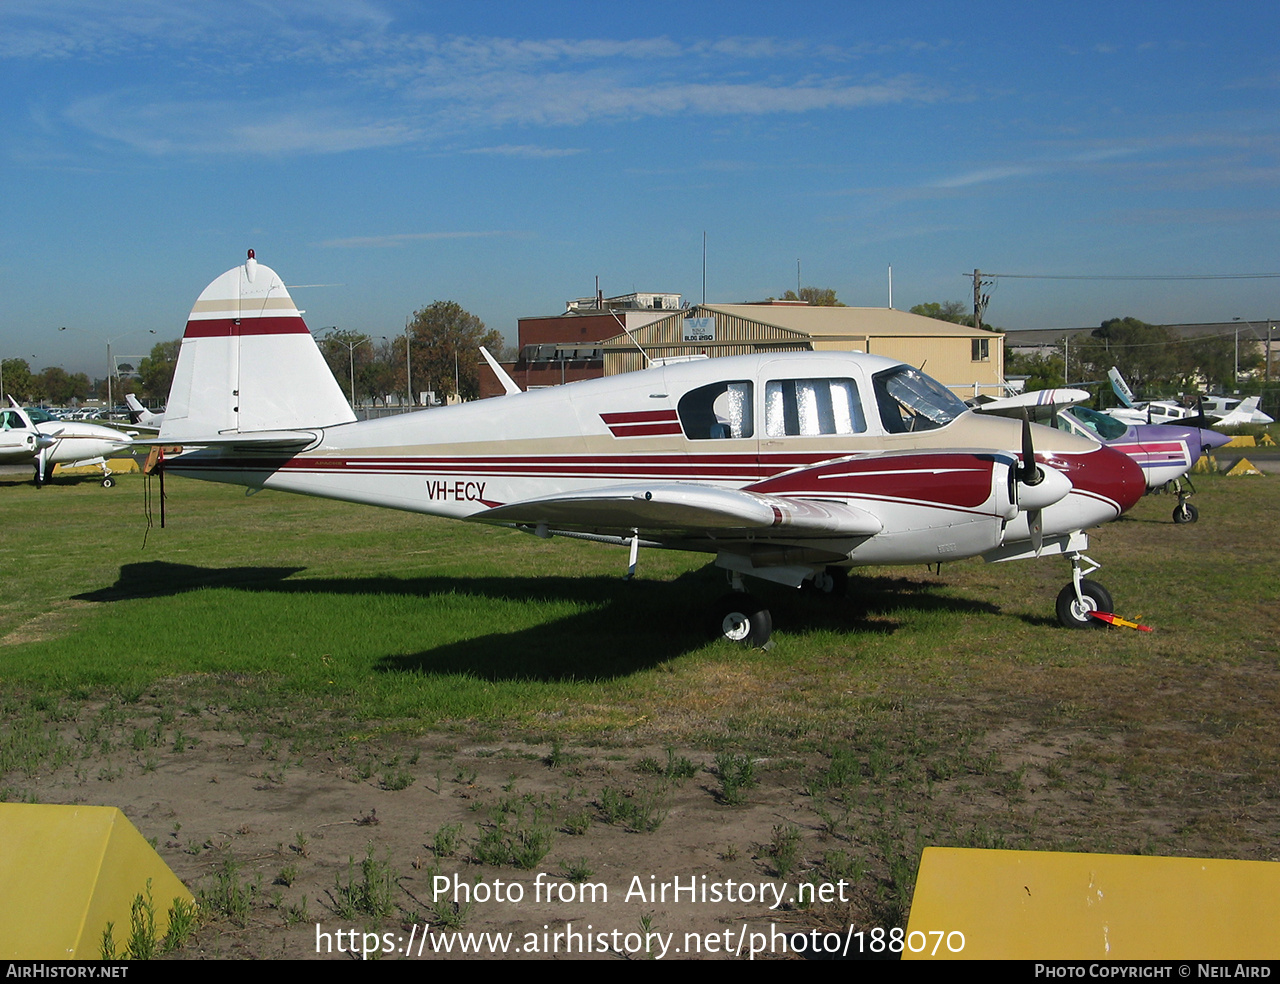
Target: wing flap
{"x":681,"y":507}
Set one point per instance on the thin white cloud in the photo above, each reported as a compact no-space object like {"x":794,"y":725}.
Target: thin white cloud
{"x":342,"y":78}
{"x":221,"y":127}
{"x":526,"y":150}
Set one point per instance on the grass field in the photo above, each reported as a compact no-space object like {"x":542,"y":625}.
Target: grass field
{"x":926,"y":707}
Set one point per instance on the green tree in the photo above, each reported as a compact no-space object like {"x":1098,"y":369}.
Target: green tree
{"x":446,"y":345}
{"x":1146,"y":355}
{"x":1042,"y":371}
{"x":17,"y":378}
{"x":817,"y":296}
{"x":155,"y":371}
{"x":953,"y":311}
{"x":347,"y":352}
{"x":59,"y":387}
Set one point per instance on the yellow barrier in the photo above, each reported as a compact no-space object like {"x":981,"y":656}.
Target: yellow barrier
{"x":1029,"y":905}
{"x":67,"y":871}
{"x":117,"y":466}
{"x":1243,"y":467}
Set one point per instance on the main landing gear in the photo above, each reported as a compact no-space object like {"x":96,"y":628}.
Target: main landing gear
{"x":1083,"y":596}
{"x":739,"y":617}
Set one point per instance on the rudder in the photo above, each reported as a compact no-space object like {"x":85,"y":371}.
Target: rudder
{"x":248,"y":363}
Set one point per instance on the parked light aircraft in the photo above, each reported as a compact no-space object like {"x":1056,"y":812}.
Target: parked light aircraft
{"x":1223,"y":412}
{"x":140,"y":416}
{"x":1235,"y":413}
{"x":37,"y":436}
{"x":790,"y":467}
{"x":1164,"y":452}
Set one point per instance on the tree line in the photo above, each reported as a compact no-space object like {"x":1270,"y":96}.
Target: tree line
{"x":443,"y":342}
{"x":1155,"y":360}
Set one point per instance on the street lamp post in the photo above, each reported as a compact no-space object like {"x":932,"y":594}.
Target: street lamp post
{"x":111,"y":369}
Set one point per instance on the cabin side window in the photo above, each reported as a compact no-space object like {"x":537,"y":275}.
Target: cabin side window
{"x":812,"y":407}
{"x":717,"y":411}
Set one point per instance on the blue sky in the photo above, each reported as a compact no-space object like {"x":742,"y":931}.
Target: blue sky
{"x":505,"y":154}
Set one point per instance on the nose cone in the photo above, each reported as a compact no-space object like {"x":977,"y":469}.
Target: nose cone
{"x":1111,"y":476}
{"x":1210,"y":439}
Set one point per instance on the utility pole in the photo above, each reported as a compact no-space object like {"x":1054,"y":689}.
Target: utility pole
{"x":980,"y":300}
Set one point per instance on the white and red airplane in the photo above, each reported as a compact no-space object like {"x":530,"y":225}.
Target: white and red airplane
{"x":790,"y":467}
{"x":33,"y":436}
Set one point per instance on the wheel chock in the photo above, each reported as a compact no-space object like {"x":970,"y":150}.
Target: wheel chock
{"x":68,"y":871}
{"x":974,"y":904}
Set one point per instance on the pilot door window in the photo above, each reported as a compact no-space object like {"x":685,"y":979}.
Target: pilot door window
{"x":716,"y":412}
{"x":812,"y":408}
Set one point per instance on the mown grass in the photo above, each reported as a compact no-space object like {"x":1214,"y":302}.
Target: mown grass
{"x":406,"y":622}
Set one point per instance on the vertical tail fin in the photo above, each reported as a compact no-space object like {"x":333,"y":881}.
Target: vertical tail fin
{"x":248,"y":363}
{"x":1120,"y":387}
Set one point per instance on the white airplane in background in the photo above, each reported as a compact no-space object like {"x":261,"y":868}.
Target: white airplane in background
{"x":1040,"y":405}
{"x":1227,"y":412}
{"x":140,"y":416}
{"x":38,"y":437}
{"x":790,"y":467}
{"x":1221,"y":411}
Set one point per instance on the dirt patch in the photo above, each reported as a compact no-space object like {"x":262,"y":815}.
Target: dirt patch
{"x":528,"y":840}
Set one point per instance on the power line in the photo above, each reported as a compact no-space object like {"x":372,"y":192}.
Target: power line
{"x":1172,"y":276}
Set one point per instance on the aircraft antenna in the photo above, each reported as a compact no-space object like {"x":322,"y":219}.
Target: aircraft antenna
{"x":626,"y":331}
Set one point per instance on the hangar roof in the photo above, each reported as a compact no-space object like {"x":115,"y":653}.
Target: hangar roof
{"x":816,"y":321}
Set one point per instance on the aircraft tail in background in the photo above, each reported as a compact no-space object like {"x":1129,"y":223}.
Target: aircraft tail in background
{"x":1120,"y":387}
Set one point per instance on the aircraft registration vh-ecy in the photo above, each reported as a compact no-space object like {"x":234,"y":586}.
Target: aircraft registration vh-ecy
{"x":790,"y":467}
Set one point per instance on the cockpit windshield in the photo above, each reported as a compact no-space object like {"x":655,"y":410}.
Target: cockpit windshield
{"x":39,"y":416}
{"x":1095,"y":424}
{"x":910,"y":401}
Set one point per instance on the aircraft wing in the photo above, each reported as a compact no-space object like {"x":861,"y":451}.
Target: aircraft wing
{"x":1039,"y":404}
{"x":677,"y":507}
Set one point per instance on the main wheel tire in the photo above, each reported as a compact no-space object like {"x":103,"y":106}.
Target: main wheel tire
{"x":1075,"y":616}
{"x":108,"y":482}
{"x":738,"y":617}
{"x":1185,"y":512}
{"x":833,"y":582}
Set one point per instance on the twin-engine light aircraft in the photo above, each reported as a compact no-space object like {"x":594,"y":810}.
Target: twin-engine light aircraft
{"x":788,"y":467}
{"x":35,"y":436}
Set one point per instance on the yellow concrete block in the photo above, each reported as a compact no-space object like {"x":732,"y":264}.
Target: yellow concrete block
{"x":67,"y":871}
{"x":1243,"y":467}
{"x":1205,"y":465}
{"x":1267,"y":440}
{"x":1241,"y":441}
{"x":1029,"y":905}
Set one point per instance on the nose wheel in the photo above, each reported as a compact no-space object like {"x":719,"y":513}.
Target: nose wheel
{"x":1073,"y":612}
{"x":1083,"y":596}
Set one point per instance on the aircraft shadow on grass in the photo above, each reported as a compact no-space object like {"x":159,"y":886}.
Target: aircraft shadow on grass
{"x":628,"y":626}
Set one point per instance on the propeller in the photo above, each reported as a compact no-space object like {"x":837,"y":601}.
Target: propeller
{"x":1037,"y":487}
{"x":1029,"y":473}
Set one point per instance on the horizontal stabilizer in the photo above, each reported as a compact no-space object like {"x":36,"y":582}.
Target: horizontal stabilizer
{"x":685,"y":508}
{"x":284,"y":440}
